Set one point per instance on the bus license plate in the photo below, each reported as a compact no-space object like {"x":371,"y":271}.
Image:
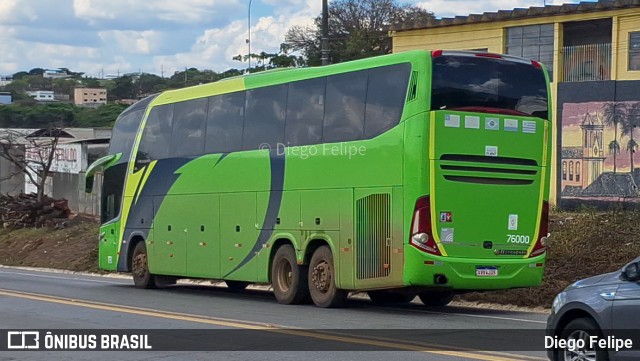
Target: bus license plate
{"x":486,"y":271}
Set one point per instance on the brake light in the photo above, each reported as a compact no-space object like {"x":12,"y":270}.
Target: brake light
{"x":421,"y":233}
{"x":489,"y":55}
{"x":543,"y":233}
{"x":536,"y":64}
{"x":436,"y":53}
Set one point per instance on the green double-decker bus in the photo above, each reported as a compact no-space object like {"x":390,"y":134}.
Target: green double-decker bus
{"x":417,"y":173}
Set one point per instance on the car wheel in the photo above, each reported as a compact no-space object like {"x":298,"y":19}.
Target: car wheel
{"x":581,"y":329}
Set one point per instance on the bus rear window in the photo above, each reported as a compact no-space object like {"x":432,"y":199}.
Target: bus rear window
{"x":495,"y":85}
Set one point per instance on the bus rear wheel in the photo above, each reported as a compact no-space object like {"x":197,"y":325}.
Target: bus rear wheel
{"x":322,"y":286}
{"x":436,"y":298}
{"x":288,"y":279}
{"x":387,"y":296}
{"x":142,"y":278}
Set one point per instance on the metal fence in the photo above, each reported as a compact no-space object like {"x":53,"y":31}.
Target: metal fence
{"x":587,"y":62}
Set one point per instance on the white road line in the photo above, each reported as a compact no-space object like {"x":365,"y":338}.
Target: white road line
{"x":64,"y":278}
{"x":462,"y":314}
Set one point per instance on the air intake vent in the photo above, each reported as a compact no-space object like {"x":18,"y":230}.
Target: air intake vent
{"x":484,"y":180}
{"x":487,"y":159}
{"x":373,"y":236}
{"x":462,"y":168}
{"x":412,"y":94}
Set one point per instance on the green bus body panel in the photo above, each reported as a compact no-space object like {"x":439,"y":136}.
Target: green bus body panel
{"x":218,"y":216}
{"x":483,"y":196}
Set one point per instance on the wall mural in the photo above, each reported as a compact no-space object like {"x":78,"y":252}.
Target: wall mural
{"x":599,"y":159}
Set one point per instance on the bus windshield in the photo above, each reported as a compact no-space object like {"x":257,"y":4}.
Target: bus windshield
{"x":474,"y":83}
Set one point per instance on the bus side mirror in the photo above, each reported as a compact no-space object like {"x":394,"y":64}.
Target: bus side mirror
{"x":142,"y":160}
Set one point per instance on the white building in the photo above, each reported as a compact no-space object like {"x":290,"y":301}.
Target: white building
{"x":4,"y":81}
{"x":55,"y":74}
{"x":42,"y":95}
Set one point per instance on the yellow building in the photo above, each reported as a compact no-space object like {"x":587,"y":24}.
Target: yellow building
{"x":90,"y":97}
{"x":592,"y":51}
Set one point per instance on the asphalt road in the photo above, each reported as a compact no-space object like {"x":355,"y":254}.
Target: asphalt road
{"x":31,"y":299}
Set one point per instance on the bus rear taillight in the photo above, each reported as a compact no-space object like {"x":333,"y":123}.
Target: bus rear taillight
{"x":421,"y":235}
{"x":536,"y":64}
{"x":543,"y":234}
{"x":436,"y":53}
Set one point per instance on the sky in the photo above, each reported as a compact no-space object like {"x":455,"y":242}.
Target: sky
{"x":112,"y":37}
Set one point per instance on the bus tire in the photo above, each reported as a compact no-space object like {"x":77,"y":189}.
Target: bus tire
{"x":322,"y":285}
{"x":288,"y":279}
{"x":436,"y":298}
{"x":236,"y":285}
{"x":388,"y":296}
{"x":142,"y":278}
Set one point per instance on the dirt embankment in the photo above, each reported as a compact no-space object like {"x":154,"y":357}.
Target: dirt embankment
{"x":582,"y":244}
{"x":72,"y":248}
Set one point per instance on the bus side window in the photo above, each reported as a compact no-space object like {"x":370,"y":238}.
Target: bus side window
{"x":157,"y":133}
{"x":264,"y":117}
{"x":305,"y":110}
{"x":187,"y":137}
{"x":386,"y":92}
{"x":225,"y":121}
{"x":344,"y":109}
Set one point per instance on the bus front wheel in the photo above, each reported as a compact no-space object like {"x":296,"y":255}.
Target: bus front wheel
{"x":322,"y":285}
{"x":142,"y":278}
{"x":288,"y":279}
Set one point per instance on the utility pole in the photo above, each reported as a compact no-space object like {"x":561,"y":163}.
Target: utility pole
{"x":249,"y":35}
{"x":325,"y":32}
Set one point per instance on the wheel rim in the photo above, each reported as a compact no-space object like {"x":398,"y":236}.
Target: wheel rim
{"x":284,"y":275}
{"x":321,"y":276}
{"x":140,"y":265}
{"x":583,"y":353}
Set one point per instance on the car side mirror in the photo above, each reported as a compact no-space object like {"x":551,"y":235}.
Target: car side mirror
{"x":632,"y":272}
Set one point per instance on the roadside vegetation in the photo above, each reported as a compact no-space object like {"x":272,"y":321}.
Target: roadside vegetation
{"x":583,"y":244}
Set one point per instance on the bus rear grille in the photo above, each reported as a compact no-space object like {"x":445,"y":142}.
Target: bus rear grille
{"x":373,"y":236}
{"x":486,"y":180}
{"x":488,"y":169}
{"x":490,"y":160}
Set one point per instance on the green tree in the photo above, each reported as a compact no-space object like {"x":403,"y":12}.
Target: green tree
{"x":103,"y":116}
{"x":631,"y":122}
{"x":357,"y":29}
{"x":614,"y":114}
{"x":20,"y":75}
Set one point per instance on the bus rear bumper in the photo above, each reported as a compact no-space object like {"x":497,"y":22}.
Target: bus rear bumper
{"x":425,"y":270}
